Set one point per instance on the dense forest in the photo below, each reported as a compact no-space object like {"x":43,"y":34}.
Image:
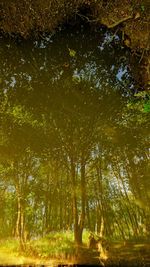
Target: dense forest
{"x":74,"y":146}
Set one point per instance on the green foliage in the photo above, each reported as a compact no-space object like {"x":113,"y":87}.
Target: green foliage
{"x":92,"y":142}
{"x":72,"y":52}
{"x":55,"y":244}
{"x":9,"y":245}
{"x":146,"y":106}
{"x":143,"y":7}
{"x":141,"y":102}
{"x":21,"y":116}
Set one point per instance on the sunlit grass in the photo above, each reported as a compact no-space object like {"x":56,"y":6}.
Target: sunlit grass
{"x":55,"y":245}
{"x":9,"y":245}
{"x":58,"y":247}
{"x":9,"y":252}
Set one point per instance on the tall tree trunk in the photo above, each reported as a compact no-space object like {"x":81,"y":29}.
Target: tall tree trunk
{"x":100,"y":199}
{"x":74,"y":199}
{"x":20,"y":229}
{"x":101,"y":232}
{"x":79,"y":221}
{"x":17,"y":230}
{"x":88,"y":215}
{"x":47,"y":205}
{"x":83,"y":200}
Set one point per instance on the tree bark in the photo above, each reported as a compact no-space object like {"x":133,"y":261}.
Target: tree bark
{"x":74,"y":199}
{"x":79,"y":221}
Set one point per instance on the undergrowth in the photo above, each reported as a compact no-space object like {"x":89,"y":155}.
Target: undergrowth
{"x":58,"y":245}
{"x":55,"y":244}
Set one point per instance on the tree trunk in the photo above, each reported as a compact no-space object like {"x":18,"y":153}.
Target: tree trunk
{"x":83,"y":201}
{"x":88,"y":215}
{"x":74,"y":199}
{"x":19,"y":231}
{"x":101,"y":232}
{"x":100,"y":199}
{"x":20,"y":221}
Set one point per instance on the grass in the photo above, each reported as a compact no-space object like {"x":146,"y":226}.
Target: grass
{"x":9,"y":252}
{"x":58,"y":247}
{"x":55,"y":245}
{"x":9,"y":245}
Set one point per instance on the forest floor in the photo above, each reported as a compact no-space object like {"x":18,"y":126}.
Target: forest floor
{"x":129,"y":254}
{"x":8,"y":259}
{"x":121,"y":254}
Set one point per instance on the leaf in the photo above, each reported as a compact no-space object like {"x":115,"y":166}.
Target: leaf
{"x":143,"y":8}
{"x":147,"y":107}
{"x":72,"y":52}
{"x":141,"y":94}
